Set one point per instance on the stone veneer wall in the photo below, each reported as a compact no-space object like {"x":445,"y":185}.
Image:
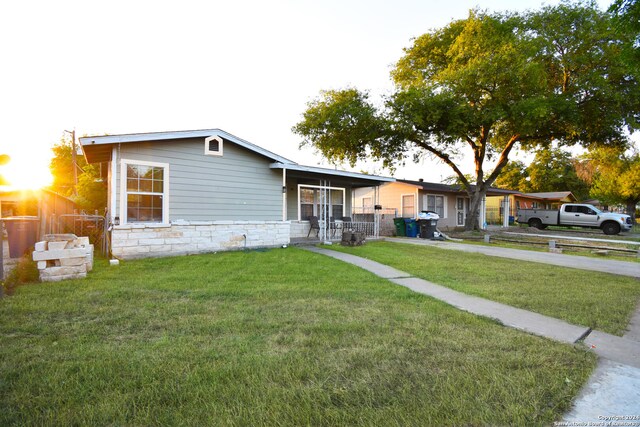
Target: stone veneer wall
{"x":301,"y":229}
{"x":182,"y":237}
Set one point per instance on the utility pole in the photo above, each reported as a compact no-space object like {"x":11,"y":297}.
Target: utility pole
{"x":73,"y":160}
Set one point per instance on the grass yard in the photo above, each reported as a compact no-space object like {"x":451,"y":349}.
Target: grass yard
{"x":279,"y":337}
{"x":601,"y":301}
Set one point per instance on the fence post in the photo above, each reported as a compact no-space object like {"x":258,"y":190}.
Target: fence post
{"x":487,"y":238}
{"x":1,"y":257}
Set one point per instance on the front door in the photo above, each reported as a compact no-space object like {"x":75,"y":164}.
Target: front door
{"x":462,"y":205}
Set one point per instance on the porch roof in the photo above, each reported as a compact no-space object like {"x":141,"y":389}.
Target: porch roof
{"x":356,"y":179}
{"x":554,"y":196}
{"x":455,"y":188}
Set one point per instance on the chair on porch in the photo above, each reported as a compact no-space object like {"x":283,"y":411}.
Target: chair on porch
{"x":314,"y":225}
{"x":333,"y":226}
{"x":347,"y":223}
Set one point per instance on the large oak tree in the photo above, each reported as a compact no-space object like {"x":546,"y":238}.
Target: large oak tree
{"x":483,"y":85}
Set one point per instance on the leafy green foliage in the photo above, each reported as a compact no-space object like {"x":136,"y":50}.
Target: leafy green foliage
{"x":24,"y":272}
{"x":627,"y":17}
{"x":61,"y":166}
{"x":345,"y":127}
{"x":91,"y":192}
{"x":554,"y":170}
{"x":616,"y":177}
{"x":513,"y":177}
{"x":485,"y":84}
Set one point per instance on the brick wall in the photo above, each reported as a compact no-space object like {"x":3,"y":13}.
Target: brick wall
{"x":183,"y":237}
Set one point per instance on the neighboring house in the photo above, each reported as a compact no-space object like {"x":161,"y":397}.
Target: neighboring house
{"x":45,"y":204}
{"x":409,"y":198}
{"x":548,"y":200}
{"x":206,"y":190}
{"x":552,"y":200}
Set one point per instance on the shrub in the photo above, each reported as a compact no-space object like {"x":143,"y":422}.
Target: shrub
{"x":24,"y":272}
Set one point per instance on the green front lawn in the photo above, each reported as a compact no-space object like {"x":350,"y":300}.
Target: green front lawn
{"x":601,"y":301}
{"x":280,"y":337}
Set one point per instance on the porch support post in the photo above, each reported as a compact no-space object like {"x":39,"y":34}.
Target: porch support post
{"x":114,"y":189}
{"x":284,"y":194}
{"x":483,"y":214}
{"x":506,"y":210}
{"x":376,"y":213}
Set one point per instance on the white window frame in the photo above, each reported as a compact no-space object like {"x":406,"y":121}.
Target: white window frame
{"x":415,"y":207}
{"x":123,"y":189}
{"x":344,"y":199}
{"x":425,"y":203}
{"x":208,"y":152}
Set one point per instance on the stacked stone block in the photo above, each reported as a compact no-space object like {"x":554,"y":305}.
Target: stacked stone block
{"x":133,"y":241}
{"x":63,"y":256}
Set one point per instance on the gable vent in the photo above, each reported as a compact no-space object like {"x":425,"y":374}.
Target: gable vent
{"x":213,"y":146}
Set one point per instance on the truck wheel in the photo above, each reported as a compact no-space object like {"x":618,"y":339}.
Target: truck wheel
{"x":610,"y":228}
{"x":535,"y":223}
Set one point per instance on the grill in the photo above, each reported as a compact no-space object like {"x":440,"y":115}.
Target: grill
{"x":628,"y":220}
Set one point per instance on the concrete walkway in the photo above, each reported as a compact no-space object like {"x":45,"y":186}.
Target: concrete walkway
{"x":614,"y":387}
{"x":622,"y":268}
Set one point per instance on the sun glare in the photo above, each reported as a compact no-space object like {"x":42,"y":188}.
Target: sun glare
{"x":23,"y":173}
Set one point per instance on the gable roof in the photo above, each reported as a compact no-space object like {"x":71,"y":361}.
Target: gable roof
{"x":98,"y":148}
{"x":455,"y":188}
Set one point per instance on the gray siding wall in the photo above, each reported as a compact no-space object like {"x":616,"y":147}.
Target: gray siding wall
{"x":236,"y":186}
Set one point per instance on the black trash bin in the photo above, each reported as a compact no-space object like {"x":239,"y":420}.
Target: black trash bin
{"x":22,"y":232}
{"x":428,"y":224}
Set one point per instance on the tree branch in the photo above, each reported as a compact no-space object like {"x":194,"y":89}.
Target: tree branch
{"x":503,"y":159}
{"x":445,"y":158}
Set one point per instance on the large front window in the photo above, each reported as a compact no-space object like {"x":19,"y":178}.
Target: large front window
{"x":145,"y":188}
{"x":436,"y":204}
{"x":408,"y":206}
{"x":313,"y":198}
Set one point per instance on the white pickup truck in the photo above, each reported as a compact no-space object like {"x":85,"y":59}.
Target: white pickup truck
{"x":576,"y":214}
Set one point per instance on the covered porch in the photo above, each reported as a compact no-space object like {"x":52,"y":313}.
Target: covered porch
{"x":319,"y":202}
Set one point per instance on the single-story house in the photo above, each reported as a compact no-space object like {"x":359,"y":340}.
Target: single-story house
{"x":197,"y":191}
{"x":409,"y":198}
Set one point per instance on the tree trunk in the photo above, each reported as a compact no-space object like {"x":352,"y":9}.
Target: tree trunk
{"x":631,"y":210}
{"x":473,"y":216}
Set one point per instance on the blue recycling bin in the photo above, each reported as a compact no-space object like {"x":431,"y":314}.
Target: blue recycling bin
{"x":411,"y":227}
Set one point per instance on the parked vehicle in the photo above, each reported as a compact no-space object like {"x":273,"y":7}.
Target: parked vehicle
{"x":576,"y":214}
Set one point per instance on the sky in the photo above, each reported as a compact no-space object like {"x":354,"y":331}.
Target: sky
{"x":247,"y":67}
